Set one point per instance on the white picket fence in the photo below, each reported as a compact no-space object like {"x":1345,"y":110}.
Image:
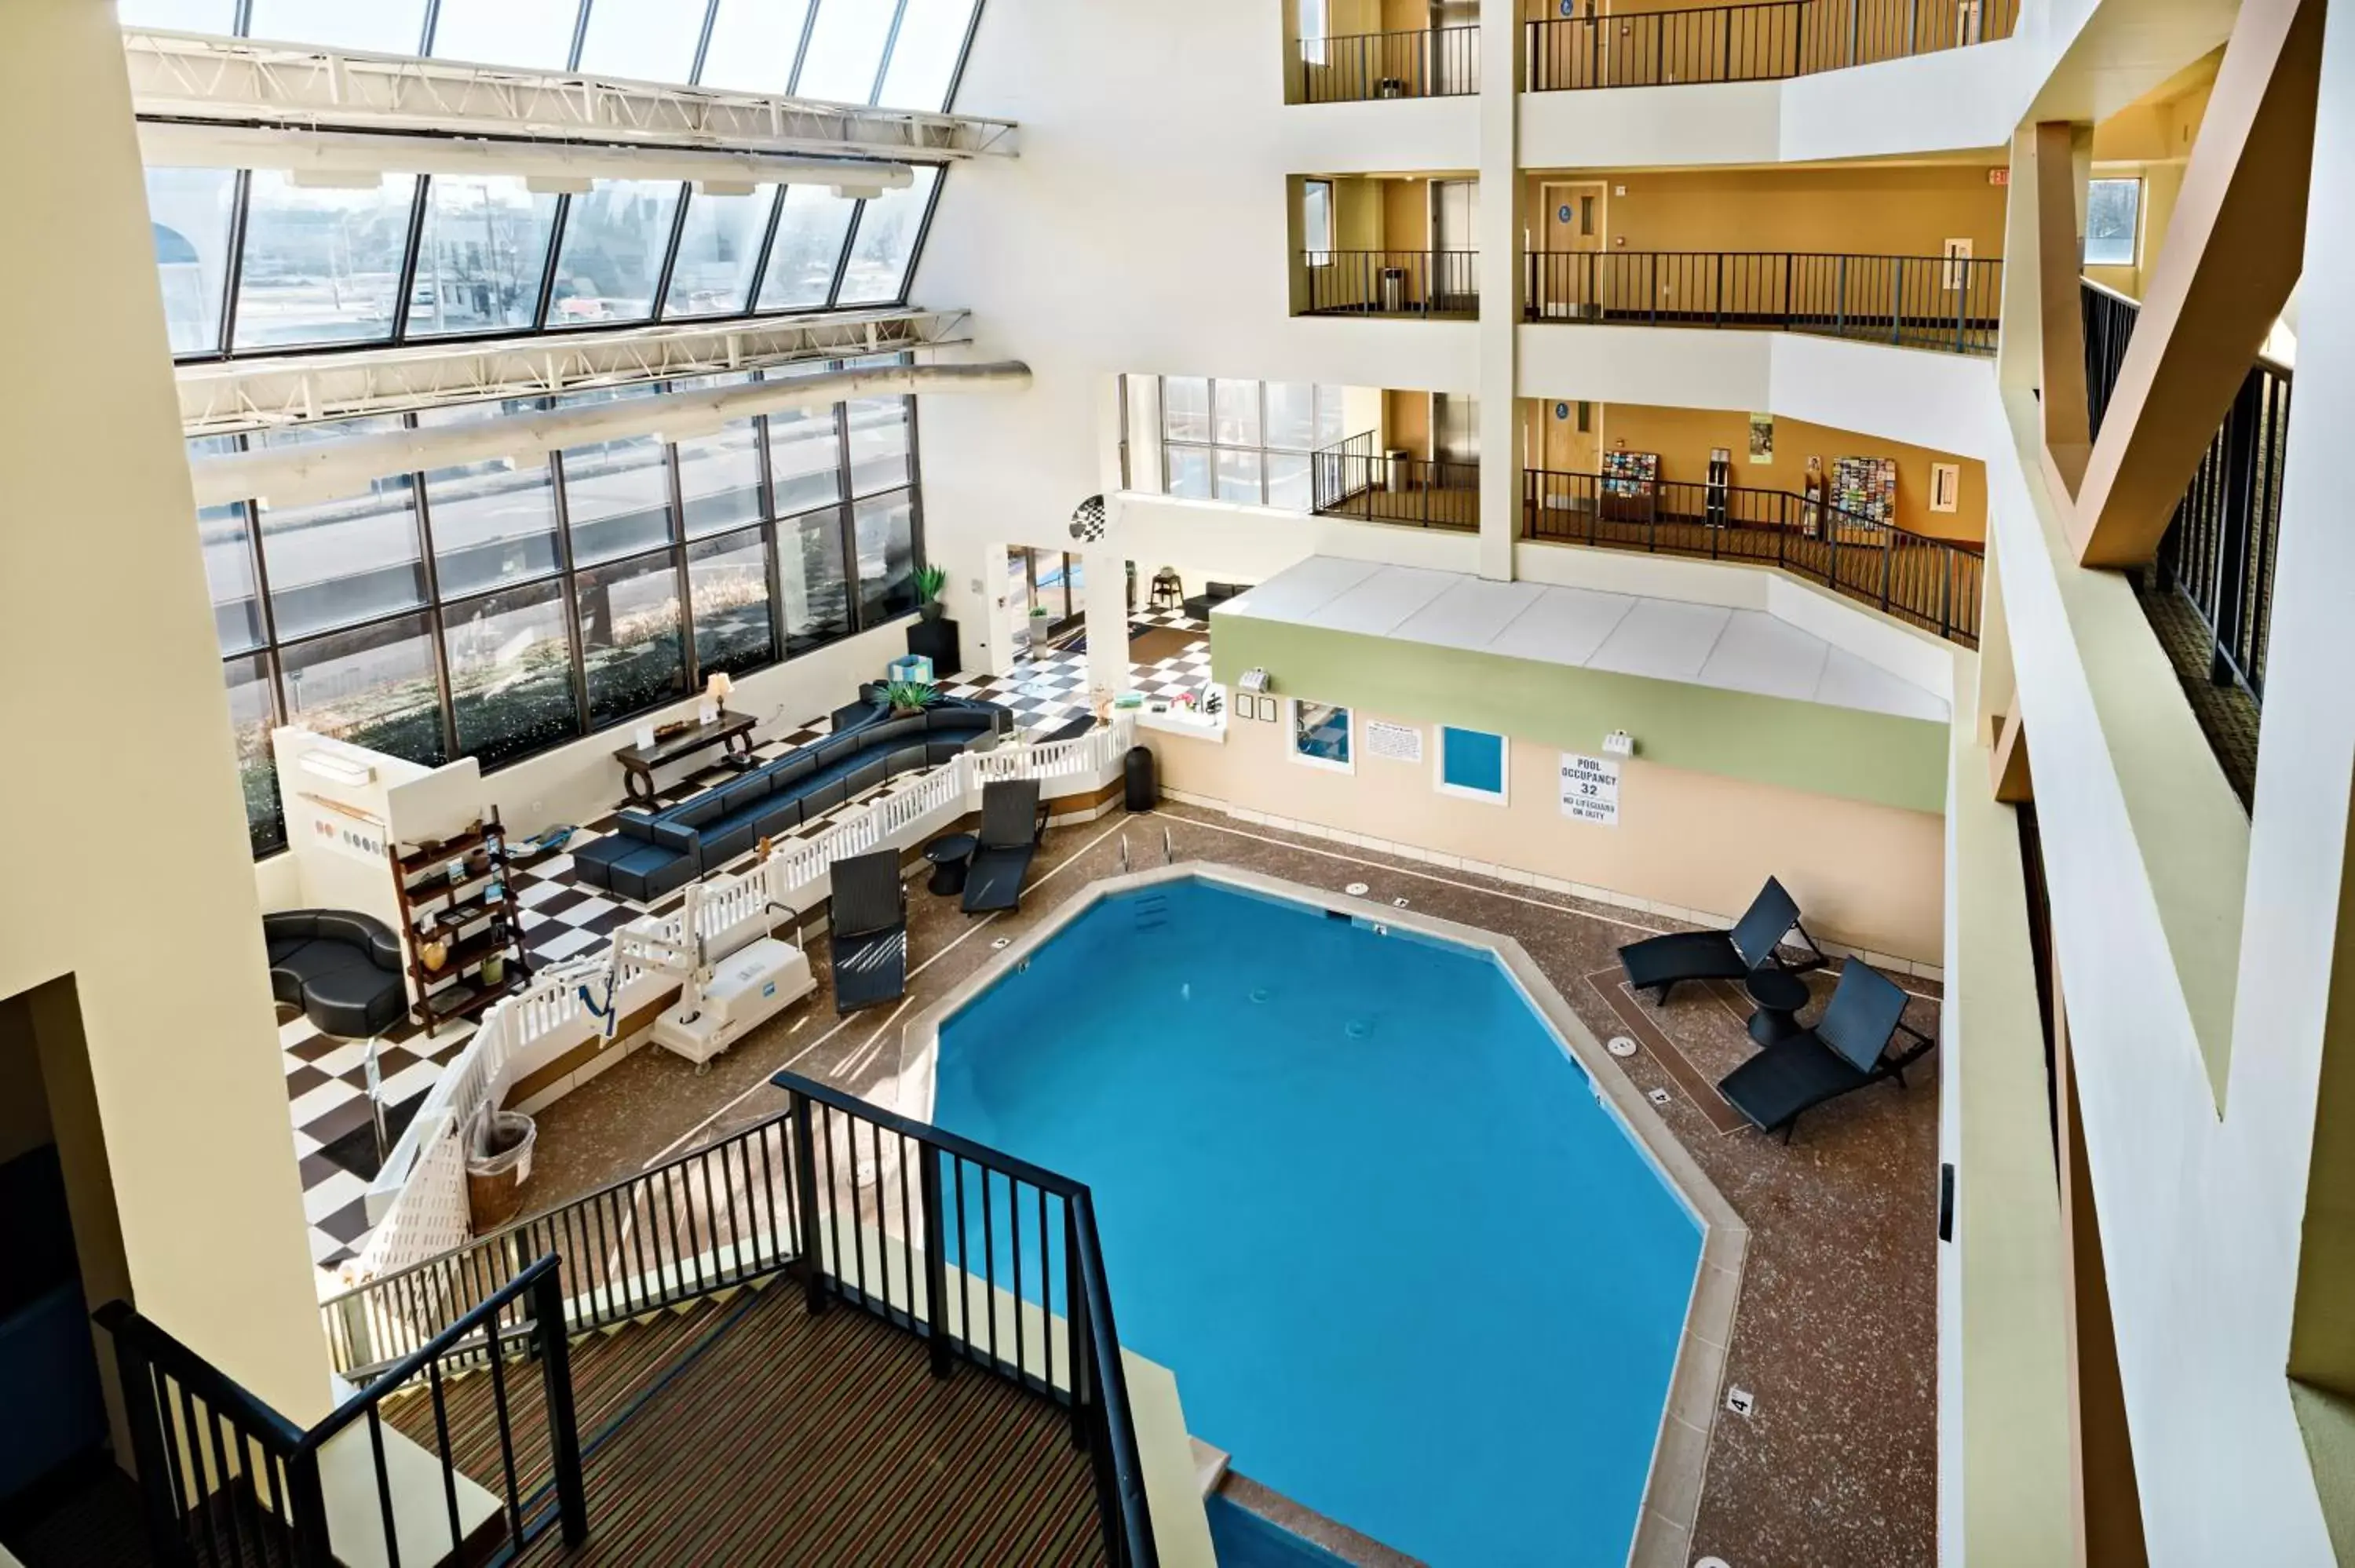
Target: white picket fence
{"x":420,"y":1195}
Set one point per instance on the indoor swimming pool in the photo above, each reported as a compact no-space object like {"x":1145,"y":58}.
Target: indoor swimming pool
{"x":1358,"y":1196}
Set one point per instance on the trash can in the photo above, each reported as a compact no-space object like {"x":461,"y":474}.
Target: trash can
{"x":1136,"y":777}
{"x":498,"y":1162}
{"x":1395,"y":476}
{"x":1394,"y":290}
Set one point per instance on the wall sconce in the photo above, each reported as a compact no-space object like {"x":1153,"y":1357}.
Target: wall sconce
{"x":1619,"y":743}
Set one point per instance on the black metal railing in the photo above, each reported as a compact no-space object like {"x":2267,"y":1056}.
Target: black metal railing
{"x":1752,"y":42}
{"x":908,"y":1215}
{"x":776,"y":1195}
{"x":1943,"y":302}
{"x":1933,"y":583}
{"x":1431,"y":62}
{"x":2219,"y":551}
{"x":1353,"y":478}
{"x":226,"y":1480}
{"x":1394,"y":283}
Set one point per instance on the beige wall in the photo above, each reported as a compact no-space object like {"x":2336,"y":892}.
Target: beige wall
{"x":1406,"y":421}
{"x":1887,"y":211}
{"x":2152,"y":141}
{"x":132,"y":903}
{"x":1869,"y":876}
{"x":1380,"y":213}
{"x":24,"y":1103}
{"x":1683,"y":438}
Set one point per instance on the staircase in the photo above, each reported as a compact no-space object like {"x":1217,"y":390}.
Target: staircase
{"x":837,"y":1335}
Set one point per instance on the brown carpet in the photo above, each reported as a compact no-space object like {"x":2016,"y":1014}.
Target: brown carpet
{"x":1161,"y":642}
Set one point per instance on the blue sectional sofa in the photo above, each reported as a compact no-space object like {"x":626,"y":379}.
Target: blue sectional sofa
{"x":655,"y":850}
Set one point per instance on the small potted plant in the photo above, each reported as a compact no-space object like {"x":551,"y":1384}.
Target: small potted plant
{"x":1039,"y":619}
{"x":930,"y":581}
{"x":909,"y":698}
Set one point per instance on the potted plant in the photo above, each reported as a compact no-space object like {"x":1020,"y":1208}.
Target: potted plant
{"x":930,"y":581}
{"x":1039,"y":619}
{"x":909,"y":698}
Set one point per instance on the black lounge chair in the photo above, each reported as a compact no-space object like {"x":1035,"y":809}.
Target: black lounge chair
{"x":1658,"y":963}
{"x":1013,"y":821}
{"x":1848,"y":1048}
{"x":868,"y":920}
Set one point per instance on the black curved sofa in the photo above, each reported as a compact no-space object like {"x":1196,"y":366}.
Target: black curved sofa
{"x":655,"y":851}
{"x":341,"y":968}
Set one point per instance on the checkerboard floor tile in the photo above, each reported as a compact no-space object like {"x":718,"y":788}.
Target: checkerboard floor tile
{"x":326,"y":1078}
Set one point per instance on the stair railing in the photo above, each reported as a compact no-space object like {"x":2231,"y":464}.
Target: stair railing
{"x":226,"y":1480}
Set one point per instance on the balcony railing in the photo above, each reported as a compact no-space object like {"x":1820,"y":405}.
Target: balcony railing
{"x":1949,"y":303}
{"x":1353,"y":479}
{"x":2217,"y":553}
{"x":1433,"y":62}
{"x":1933,"y":583}
{"x":1394,"y":283}
{"x":1752,"y":42}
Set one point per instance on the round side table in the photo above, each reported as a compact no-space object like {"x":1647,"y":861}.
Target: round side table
{"x":1777,"y":995}
{"x":949,"y":856}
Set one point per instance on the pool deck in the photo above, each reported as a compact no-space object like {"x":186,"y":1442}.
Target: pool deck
{"x":1833,"y":1338}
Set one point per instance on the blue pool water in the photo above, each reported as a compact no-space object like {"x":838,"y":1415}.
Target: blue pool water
{"x":1356,"y":1196}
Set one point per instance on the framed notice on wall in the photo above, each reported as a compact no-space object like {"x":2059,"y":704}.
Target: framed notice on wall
{"x":1393,"y":742}
{"x":1590,"y":788}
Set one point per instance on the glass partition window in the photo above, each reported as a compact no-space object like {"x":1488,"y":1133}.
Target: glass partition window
{"x":1246,"y":441}
{"x":646,"y":40}
{"x":2113,"y":210}
{"x":493,"y":522}
{"x":180,"y":15}
{"x":844,"y":53}
{"x":807,"y":249}
{"x":483,"y":252}
{"x":618,"y":496}
{"x":719,"y":477}
{"x":1472,"y":764}
{"x":878,"y":443}
{"x":536,"y":34}
{"x":924,"y":54}
{"x":252,"y":714}
{"x":816,"y":589}
{"x":335,"y":562}
{"x":188,"y":213}
{"x":728,"y":597}
{"x":755,"y":43}
{"x":877,"y":270}
{"x":381,"y":26}
{"x":321,"y":265}
{"x":718,"y":253}
{"x":886,"y":530}
{"x":510,"y":673}
{"x":1320,"y":736}
{"x":559,"y":596}
{"x":374,"y":686}
{"x":611,"y":257}
{"x":630,"y":652}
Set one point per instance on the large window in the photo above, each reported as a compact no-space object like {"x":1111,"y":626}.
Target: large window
{"x":483,"y":252}
{"x":2113,"y":211}
{"x":1246,"y":441}
{"x":322,"y":264}
{"x":451,"y":613}
{"x":924,"y":54}
{"x":1316,"y":220}
{"x":319,"y":265}
{"x":381,"y":26}
{"x":755,"y":43}
{"x":536,"y":34}
{"x":844,"y":60}
{"x":646,"y":40}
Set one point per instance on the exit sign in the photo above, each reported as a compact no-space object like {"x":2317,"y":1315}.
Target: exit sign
{"x":1999,"y":176}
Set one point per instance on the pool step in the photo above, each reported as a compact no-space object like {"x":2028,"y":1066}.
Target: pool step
{"x":1151,"y":911}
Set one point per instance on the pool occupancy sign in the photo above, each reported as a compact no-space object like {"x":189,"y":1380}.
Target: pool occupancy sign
{"x":1590,"y":788}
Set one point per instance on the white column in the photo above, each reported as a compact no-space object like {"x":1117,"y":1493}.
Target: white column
{"x":129,"y":871}
{"x":1501,"y":285}
{"x":1106,"y":565}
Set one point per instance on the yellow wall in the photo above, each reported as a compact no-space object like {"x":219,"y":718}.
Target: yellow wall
{"x":2149,"y":140}
{"x":1683,"y":438}
{"x":1370,"y":214}
{"x":132,"y":915}
{"x":1406,"y":215}
{"x":1406,"y":421}
{"x":1868,"y":876}
{"x":1902,"y":211}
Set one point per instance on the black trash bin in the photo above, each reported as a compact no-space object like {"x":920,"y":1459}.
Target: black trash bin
{"x":1136,"y":773}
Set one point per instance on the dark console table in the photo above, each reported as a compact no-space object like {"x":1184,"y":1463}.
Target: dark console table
{"x":732,"y":731}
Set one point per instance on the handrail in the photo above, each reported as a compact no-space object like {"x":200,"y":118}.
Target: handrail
{"x":1416,"y":62}
{"x":260,"y":1496}
{"x":1951,"y":304}
{"x":1422,"y":282}
{"x":1097,"y":1392}
{"x":1749,"y":42}
{"x":1933,"y":583}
